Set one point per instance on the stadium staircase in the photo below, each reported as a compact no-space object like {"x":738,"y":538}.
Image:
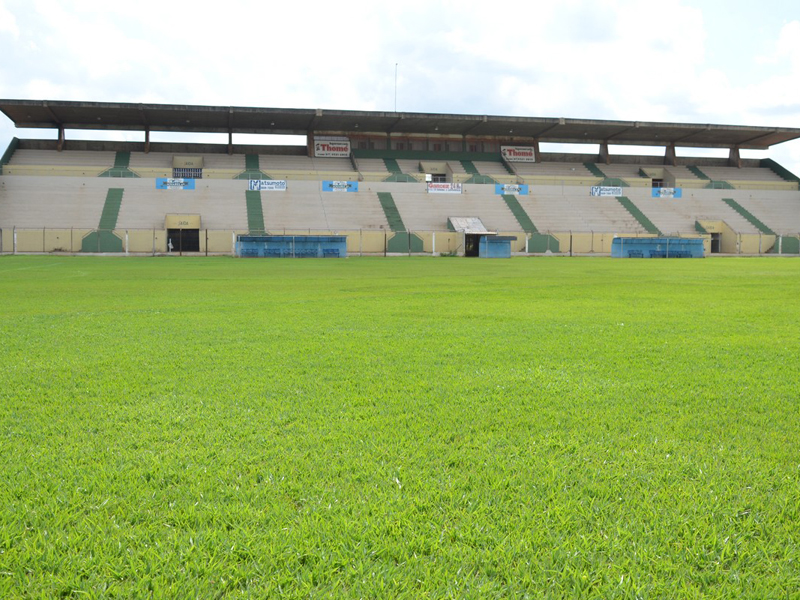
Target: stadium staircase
{"x":698,"y":173}
{"x":252,"y":168}
{"x":754,"y":221}
{"x":121,"y":168}
{"x":104,"y":239}
{"x":607,"y":181}
{"x":396,"y":172}
{"x":401,"y":241}
{"x":638,"y":215}
{"x":712,"y":185}
{"x":255,"y":212}
{"x":538,"y":242}
{"x":471,"y":169}
{"x":779,"y":170}
{"x":12,"y":147}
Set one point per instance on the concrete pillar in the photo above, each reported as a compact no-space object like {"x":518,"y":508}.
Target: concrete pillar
{"x":734,"y":159}
{"x":670,"y":158}
{"x":605,"y":157}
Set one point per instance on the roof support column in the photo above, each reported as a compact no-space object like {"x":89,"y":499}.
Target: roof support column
{"x":734,"y":159}
{"x":61,"y":138}
{"x":230,"y":131}
{"x":605,"y":157}
{"x":146,"y":140}
{"x":670,"y":157}
{"x":537,"y":156}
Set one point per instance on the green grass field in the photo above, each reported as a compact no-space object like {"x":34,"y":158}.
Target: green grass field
{"x":399,"y":428}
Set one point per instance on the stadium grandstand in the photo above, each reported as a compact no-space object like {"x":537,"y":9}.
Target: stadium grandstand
{"x":412,"y":183}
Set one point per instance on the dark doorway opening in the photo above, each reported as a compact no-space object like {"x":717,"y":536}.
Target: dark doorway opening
{"x":715,"y":242}
{"x":472,"y":245}
{"x":658,"y":183}
{"x":183,"y":240}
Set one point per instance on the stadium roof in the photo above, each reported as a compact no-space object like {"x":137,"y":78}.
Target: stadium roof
{"x":233,"y":119}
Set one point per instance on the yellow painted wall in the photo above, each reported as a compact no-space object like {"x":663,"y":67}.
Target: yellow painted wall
{"x":691,"y":183}
{"x":657,"y":173}
{"x":139,"y":240}
{"x":765,"y":185}
{"x":187,"y":162}
{"x":152,"y":172}
{"x":220,"y":241}
{"x":637,"y":183}
{"x":30,"y":240}
{"x":143,"y":241}
{"x":751,"y":243}
{"x":7,"y":240}
{"x":49,"y":240}
{"x":52,"y":171}
{"x":61,"y":240}
{"x":558,"y":180}
{"x":175,"y":221}
{"x":729,"y":240}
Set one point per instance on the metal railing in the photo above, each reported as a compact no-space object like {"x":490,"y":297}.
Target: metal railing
{"x":360,"y":242}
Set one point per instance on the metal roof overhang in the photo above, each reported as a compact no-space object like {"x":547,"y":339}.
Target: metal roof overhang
{"x":234,"y":119}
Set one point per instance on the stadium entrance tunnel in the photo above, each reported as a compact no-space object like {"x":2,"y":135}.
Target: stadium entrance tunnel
{"x":715,"y":242}
{"x":183,"y":240}
{"x":472,"y":244}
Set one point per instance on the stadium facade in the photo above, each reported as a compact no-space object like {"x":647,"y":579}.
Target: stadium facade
{"x":390,"y":182}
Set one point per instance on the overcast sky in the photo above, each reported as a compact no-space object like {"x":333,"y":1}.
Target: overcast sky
{"x":713,"y":61}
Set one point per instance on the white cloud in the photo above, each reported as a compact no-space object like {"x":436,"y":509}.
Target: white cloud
{"x":8,"y":24}
{"x":605,"y":59}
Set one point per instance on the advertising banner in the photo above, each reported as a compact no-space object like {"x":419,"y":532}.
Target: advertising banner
{"x":604,"y":190}
{"x":339,"y":186}
{"x":332,"y":149}
{"x":518,"y":153}
{"x":511,"y":188}
{"x":267,"y":185}
{"x":667,"y":192}
{"x":444,"y":188}
{"x":164,"y":183}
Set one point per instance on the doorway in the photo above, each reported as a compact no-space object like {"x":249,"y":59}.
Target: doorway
{"x":715,"y":242}
{"x":183,"y":240}
{"x":472,"y":244}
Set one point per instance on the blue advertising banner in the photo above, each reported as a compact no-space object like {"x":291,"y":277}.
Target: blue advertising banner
{"x":339,"y":186}
{"x":511,"y":188}
{"x":164,"y":183}
{"x":667,"y":193}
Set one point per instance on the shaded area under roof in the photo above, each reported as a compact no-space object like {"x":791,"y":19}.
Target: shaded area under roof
{"x":233,"y":119}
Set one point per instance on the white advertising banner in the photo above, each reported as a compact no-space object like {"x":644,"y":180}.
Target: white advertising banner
{"x":332,"y":148}
{"x":267,"y":185}
{"x":444,"y":188}
{"x":518,"y":153}
{"x":604,"y":190}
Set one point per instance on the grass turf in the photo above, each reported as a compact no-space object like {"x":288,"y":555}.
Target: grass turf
{"x":408,"y":428}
